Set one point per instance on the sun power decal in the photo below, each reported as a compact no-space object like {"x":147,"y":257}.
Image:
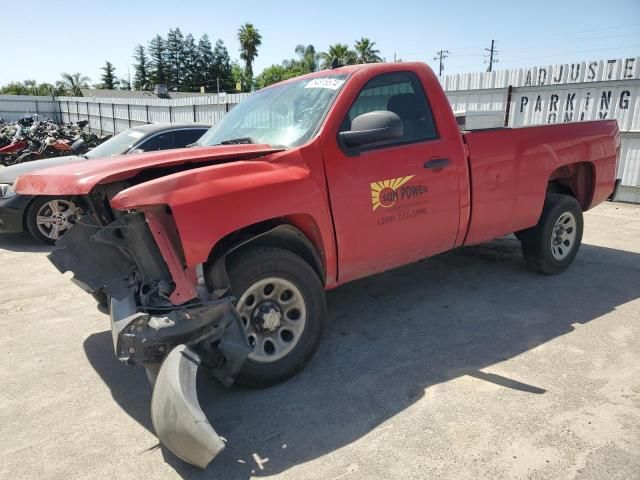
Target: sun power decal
{"x":386,"y":193}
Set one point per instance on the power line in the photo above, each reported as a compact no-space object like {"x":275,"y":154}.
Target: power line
{"x":493,"y":56}
{"x":440,"y":56}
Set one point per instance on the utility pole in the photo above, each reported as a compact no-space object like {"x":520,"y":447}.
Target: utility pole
{"x":218,"y":84}
{"x":493,"y":55}
{"x":440,"y":56}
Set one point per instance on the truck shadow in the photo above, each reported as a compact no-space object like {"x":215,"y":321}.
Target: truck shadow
{"x":22,"y":242}
{"x":391,"y":337}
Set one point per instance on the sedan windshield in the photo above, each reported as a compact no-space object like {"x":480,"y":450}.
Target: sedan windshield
{"x":117,"y":145}
{"x":285,"y":115}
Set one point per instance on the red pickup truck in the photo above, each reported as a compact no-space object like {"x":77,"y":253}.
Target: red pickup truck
{"x":219,"y":255}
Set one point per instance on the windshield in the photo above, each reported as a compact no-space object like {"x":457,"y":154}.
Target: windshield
{"x":118,"y":145}
{"x":285,"y":115}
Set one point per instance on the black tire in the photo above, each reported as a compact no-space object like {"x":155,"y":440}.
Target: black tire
{"x":254,"y":264}
{"x":537,"y":241}
{"x":31,"y":216}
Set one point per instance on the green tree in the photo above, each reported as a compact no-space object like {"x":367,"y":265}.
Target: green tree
{"x":15,"y":88}
{"x":191,"y":64}
{"x":140,"y":69}
{"x":175,"y":59}
{"x":205,"y":62}
{"x":276,"y":73}
{"x":157,"y":61}
{"x":308,"y":57}
{"x":109,"y":80}
{"x":339,"y":53}
{"x":73,"y":83}
{"x":221,"y":68}
{"x":124,"y":83}
{"x":239,"y":77}
{"x":250,"y":39}
{"x":365,"y":51}
{"x":31,"y":87}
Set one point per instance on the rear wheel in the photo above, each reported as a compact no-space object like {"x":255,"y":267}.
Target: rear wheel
{"x":282,"y":306}
{"x":49,"y":218}
{"x":553,"y":243}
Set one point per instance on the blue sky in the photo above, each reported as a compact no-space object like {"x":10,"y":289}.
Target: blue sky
{"x":63,"y":36}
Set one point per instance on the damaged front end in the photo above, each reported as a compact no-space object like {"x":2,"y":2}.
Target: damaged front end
{"x":162,"y":317}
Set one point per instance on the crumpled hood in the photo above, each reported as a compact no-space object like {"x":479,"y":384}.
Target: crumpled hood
{"x":80,"y":178}
{"x":10,"y":173}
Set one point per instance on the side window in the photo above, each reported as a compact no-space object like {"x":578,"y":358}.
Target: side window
{"x":182,"y":138}
{"x":162,"y":141}
{"x":402,"y":94}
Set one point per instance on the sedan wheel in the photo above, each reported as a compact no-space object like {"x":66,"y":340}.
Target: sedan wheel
{"x":48,"y":219}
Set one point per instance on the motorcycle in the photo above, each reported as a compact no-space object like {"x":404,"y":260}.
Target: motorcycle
{"x":34,"y":138}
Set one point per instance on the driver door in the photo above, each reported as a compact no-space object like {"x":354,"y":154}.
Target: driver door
{"x":393,"y":202}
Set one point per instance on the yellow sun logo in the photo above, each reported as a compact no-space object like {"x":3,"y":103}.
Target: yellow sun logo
{"x":383,"y":193}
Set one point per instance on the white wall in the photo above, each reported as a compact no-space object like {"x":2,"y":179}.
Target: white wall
{"x":560,"y":93}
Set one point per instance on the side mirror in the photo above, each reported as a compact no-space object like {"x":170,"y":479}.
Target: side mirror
{"x":372,"y":127}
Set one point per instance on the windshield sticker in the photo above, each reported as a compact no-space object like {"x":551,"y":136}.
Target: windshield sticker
{"x":329,"y":83}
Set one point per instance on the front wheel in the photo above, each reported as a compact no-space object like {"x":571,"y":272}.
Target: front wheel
{"x":553,"y":243}
{"x":282,"y":305}
{"x":48,"y":218}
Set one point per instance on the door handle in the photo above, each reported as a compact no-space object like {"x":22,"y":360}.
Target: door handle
{"x":436,"y":163}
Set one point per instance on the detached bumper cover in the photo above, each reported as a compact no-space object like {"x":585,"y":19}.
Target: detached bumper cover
{"x":216,"y":341}
{"x":177,"y":417}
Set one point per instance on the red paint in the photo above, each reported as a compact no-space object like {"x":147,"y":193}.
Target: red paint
{"x":163,"y":231}
{"x":14,"y":147}
{"x":495,"y":184}
{"x":81,"y":179}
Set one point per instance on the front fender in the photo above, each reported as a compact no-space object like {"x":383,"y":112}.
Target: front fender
{"x":211,"y":202}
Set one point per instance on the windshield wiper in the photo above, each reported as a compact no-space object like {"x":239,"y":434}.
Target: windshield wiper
{"x":237,"y":141}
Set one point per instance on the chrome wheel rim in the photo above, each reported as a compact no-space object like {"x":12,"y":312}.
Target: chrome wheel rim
{"x":274,"y":315}
{"x":563,"y":237}
{"x":55,"y":217}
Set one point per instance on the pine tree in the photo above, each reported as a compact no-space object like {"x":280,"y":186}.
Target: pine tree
{"x":157,"y":61}
{"x":221,"y":67}
{"x":124,"y":84}
{"x":175,"y":57}
{"x":191,"y":61}
{"x":141,"y":69}
{"x":205,"y":62}
{"x":109,"y":81}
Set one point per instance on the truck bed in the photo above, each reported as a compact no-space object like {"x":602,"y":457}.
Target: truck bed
{"x":510,"y":169}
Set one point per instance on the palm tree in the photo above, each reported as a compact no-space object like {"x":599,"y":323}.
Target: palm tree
{"x":338,"y":53}
{"x":365,"y":51}
{"x":250,"y":39}
{"x":73,"y":83}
